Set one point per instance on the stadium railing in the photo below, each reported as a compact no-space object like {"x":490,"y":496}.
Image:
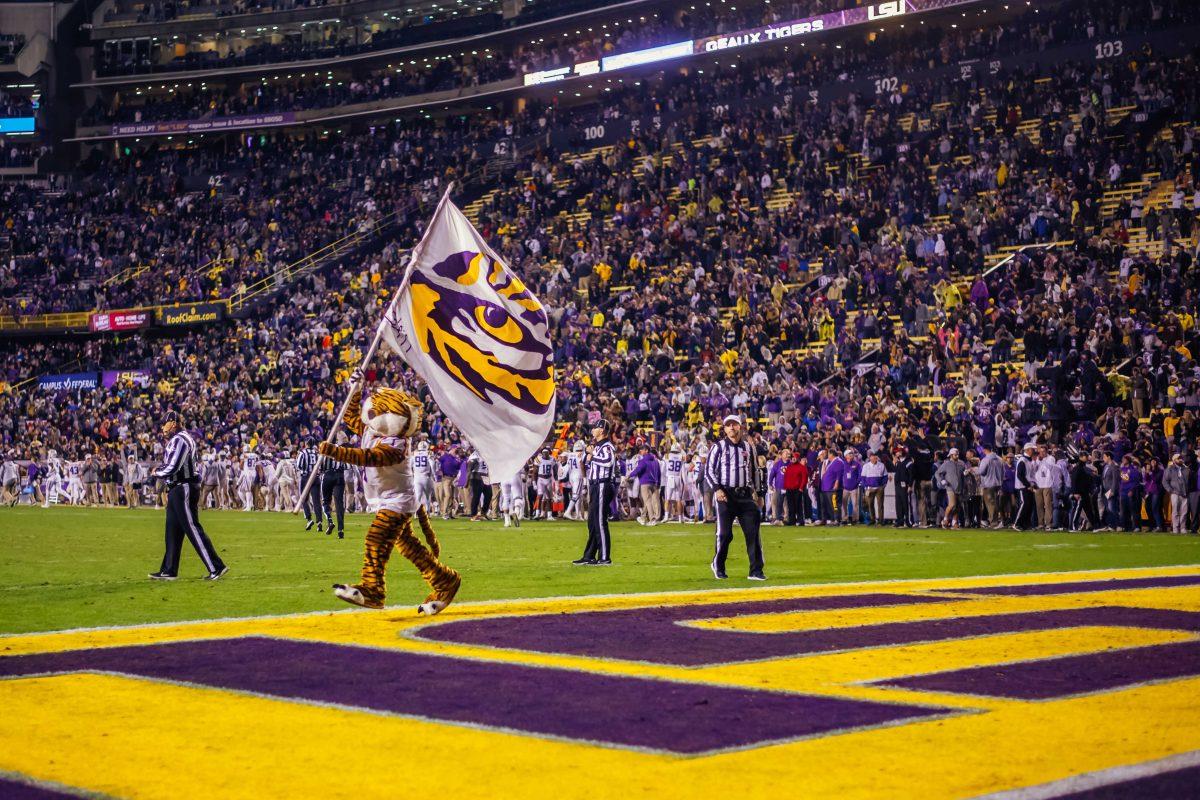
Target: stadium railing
{"x":74,"y":321}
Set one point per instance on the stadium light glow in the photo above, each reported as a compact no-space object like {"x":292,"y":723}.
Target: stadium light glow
{"x":648,"y":56}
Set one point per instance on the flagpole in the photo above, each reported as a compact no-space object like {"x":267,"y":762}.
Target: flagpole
{"x":355,"y":388}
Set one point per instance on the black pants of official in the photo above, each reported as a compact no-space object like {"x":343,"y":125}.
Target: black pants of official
{"x":312,"y":498}
{"x":599,"y":542}
{"x":1026,"y":509}
{"x":183,"y":521}
{"x":902,"y":515}
{"x":333,"y":497}
{"x":745,"y":510}
{"x":1085,"y":511}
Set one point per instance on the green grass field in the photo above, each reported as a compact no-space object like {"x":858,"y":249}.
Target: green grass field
{"x":76,"y":567}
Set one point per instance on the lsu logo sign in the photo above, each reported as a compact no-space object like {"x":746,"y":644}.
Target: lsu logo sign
{"x":893,"y":8}
{"x":1038,"y":686}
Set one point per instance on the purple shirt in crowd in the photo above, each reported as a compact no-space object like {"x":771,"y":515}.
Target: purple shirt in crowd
{"x":831,"y":478}
{"x":449,"y":464}
{"x":647,"y":471}
{"x":851,"y":475}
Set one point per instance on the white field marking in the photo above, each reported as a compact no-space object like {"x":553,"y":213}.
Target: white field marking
{"x":1099,"y":779}
{"x":865,"y":539}
{"x":698,"y":593}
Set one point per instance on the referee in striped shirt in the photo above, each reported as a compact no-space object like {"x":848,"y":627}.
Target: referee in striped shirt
{"x":306,"y":462}
{"x":732,"y":471}
{"x":601,"y":473}
{"x":183,"y":499}
{"x":333,"y":492}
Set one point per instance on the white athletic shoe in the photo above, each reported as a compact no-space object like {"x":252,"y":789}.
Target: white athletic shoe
{"x":506,"y":523}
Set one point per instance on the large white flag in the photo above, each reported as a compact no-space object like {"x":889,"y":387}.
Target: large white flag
{"x":479,"y":338}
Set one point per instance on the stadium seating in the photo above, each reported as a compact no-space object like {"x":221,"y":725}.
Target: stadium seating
{"x":979,"y":259}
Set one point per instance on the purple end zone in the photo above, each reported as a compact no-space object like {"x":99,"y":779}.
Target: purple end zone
{"x":1181,"y":784}
{"x":684,"y":718}
{"x":1083,"y":586}
{"x":1060,"y":677}
{"x":655,"y":635}
{"x":16,"y":790}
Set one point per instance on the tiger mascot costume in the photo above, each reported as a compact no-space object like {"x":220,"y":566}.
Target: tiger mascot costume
{"x":385,"y":422}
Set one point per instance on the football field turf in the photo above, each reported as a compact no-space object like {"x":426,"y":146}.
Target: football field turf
{"x":874,"y":663}
{"x":79,"y":567}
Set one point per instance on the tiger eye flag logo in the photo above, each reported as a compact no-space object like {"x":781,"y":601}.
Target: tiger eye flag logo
{"x":480,"y":339}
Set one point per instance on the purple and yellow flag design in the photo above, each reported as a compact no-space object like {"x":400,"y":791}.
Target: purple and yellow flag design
{"x":480,"y":339}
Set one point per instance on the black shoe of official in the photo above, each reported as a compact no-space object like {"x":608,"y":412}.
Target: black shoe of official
{"x":756,"y":576}
{"x":329,"y":530}
{"x":717,"y":572}
{"x":341,"y":534}
{"x":584,"y":561}
{"x":602,"y":562}
{"x":216,"y":576}
{"x":311,"y":522}
{"x":162,"y":576}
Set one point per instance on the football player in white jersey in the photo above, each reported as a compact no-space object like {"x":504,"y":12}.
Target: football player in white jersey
{"x":287,"y":482}
{"x":424,"y":476}
{"x":633,"y":486}
{"x":247,"y":479}
{"x":576,"y":507}
{"x":543,"y":505}
{"x":54,"y":477}
{"x":76,"y":494}
{"x":673,"y":487}
{"x":270,"y":482}
{"x":512,"y":499}
{"x":225,"y":482}
{"x":693,"y":474}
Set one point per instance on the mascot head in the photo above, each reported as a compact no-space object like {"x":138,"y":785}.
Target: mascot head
{"x":391,"y":412}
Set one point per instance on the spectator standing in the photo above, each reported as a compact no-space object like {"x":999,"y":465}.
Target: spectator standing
{"x":1174,"y":482}
{"x":874,"y":480}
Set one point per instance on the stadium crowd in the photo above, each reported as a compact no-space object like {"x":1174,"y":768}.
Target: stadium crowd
{"x":895,"y":54}
{"x":869,"y":324}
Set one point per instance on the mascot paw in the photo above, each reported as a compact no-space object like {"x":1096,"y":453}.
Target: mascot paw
{"x":437,"y":601}
{"x":352,"y":595}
